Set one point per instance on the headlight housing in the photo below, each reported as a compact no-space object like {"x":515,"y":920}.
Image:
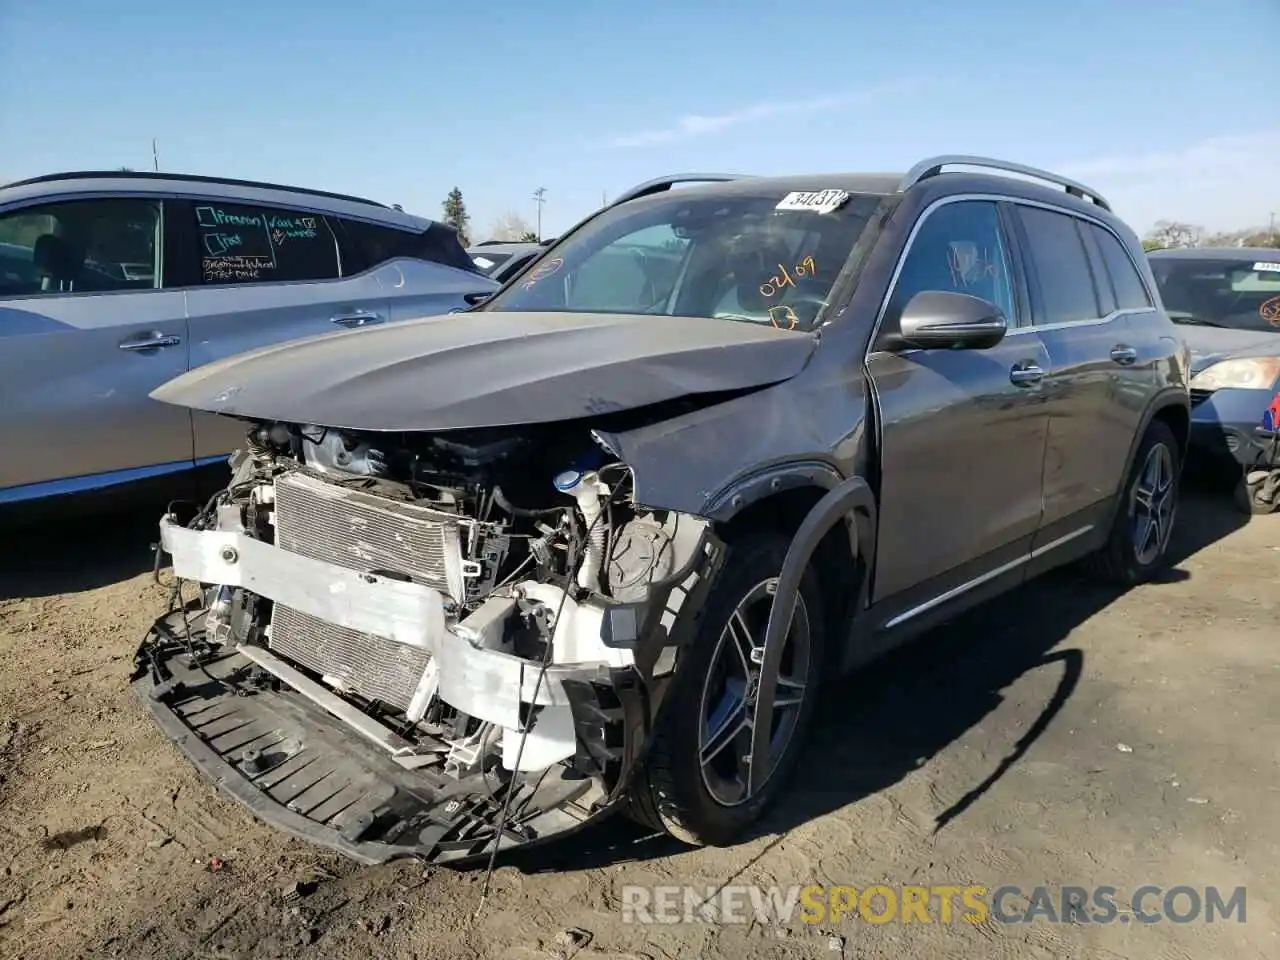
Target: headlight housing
{"x":1244,"y":373}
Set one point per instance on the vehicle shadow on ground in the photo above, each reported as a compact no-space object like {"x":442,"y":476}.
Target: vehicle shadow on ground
{"x":872,"y":729}
{"x":69,"y":555}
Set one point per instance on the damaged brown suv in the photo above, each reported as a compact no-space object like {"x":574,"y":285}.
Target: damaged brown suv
{"x":591,"y":546}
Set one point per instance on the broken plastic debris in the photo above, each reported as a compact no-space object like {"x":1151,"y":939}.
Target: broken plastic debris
{"x":1124,"y":748}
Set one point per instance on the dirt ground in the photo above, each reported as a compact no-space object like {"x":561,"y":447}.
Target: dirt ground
{"x":1062,"y":735}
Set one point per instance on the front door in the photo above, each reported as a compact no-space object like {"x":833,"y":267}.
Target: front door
{"x":87,"y":331}
{"x":962,"y":432}
{"x":264,"y":276}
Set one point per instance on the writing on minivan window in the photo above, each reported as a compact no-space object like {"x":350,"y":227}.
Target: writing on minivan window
{"x":238,"y":245}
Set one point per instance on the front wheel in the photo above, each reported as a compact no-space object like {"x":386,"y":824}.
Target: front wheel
{"x":696,"y":782}
{"x":1137,"y":546}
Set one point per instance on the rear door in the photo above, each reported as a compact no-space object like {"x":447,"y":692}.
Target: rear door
{"x":1097,"y":383}
{"x":87,"y":331}
{"x":422,"y":274}
{"x":962,"y":431}
{"x":260,"y":275}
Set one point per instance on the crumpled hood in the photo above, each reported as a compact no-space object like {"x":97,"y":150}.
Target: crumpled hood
{"x":1208,"y":345}
{"x":490,"y":369}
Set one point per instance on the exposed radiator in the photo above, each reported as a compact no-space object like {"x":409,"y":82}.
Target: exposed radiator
{"x":371,"y":666}
{"x":360,"y":531}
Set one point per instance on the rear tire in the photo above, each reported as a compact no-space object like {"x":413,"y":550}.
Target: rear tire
{"x":1137,"y":546}
{"x":682,"y":788}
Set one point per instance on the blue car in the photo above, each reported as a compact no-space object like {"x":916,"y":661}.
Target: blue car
{"x":1227,"y":303}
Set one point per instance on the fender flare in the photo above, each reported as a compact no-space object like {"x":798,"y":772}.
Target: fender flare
{"x":1165,"y":399}
{"x":841,"y":502}
{"x":726,"y":503}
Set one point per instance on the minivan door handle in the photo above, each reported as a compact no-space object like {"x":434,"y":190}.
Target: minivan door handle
{"x":357,"y":318}
{"x":1123,"y":354}
{"x":151,"y":341}
{"x":1026,"y":374}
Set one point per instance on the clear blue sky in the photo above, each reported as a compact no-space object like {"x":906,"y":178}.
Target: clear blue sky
{"x":1169,"y":106}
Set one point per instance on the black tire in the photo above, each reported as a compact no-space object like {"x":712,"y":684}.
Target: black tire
{"x":669,"y":792}
{"x":1117,"y":561}
{"x":1245,"y":495}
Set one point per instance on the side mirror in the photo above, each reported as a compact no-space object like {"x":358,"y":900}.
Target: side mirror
{"x":941,"y":319}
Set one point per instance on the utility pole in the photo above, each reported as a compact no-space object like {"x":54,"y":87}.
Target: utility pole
{"x":540,"y":197}
{"x":155,"y":155}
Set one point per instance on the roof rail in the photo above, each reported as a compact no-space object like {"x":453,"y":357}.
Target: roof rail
{"x":659,"y":184}
{"x":933,"y":166}
{"x":194,"y":178}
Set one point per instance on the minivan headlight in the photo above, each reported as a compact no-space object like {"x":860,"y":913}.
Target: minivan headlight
{"x":1245,"y":373}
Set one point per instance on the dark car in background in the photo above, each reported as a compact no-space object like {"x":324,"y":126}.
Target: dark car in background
{"x":1227,"y":302}
{"x":500,"y":260}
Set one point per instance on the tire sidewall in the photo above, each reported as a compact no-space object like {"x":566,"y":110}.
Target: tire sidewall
{"x":698,"y":812}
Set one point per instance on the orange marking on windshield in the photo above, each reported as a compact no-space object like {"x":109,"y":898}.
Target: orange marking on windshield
{"x":787,"y":314}
{"x":805,"y":268}
{"x":1270,"y":311}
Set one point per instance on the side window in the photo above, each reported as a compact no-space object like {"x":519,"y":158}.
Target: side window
{"x":1059,"y":261}
{"x":369,"y":244}
{"x":251,"y":244}
{"x":83,"y":246}
{"x":959,"y":248}
{"x":1130,"y":292}
{"x":637,"y":271}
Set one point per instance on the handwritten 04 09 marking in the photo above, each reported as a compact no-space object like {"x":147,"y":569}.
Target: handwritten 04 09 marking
{"x":805,"y":268}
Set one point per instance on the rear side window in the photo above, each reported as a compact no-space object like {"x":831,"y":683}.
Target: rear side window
{"x":1058,"y":260}
{"x":251,"y":244}
{"x":370,"y":244}
{"x":1130,"y":292}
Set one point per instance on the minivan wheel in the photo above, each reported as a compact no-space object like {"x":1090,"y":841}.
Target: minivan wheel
{"x":1138,"y":544}
{"x":694,"y":784}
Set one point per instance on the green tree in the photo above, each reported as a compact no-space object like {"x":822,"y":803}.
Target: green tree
{"x":455,"y":214}
{"x":1149,"y":245}
{"x":529,"y":236}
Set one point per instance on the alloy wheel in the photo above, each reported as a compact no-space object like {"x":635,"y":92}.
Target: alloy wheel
{"x":728,"y":715}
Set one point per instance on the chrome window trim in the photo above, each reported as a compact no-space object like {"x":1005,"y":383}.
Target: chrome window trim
{"x":1032,"y":326}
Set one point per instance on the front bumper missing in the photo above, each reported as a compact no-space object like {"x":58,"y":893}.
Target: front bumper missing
{"x":314,"y":765}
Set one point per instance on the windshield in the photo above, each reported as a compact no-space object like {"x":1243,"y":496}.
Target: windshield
{"x":764,"y":257}
{"x":1241,"y":294}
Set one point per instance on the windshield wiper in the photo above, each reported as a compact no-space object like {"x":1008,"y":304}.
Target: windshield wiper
{"x":1195,"y":321}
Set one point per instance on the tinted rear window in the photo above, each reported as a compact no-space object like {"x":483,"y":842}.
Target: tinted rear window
{"x":1061,"y":266}
{"x":371,"y":244}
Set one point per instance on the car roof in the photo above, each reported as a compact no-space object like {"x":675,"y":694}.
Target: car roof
{"x":979,"y":175}
{"x":1217,"y":253}
{"x":60,"y":186}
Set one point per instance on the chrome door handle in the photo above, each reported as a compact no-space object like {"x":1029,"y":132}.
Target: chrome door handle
{"x":1123,"y":354}
{"x":357,"y":318}
{"x":151,"y":343}
{"x":1026,"y":375}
